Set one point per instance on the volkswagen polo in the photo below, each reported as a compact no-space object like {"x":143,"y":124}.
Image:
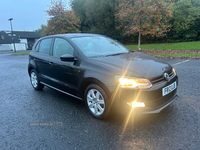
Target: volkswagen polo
{"x":103,"y":73}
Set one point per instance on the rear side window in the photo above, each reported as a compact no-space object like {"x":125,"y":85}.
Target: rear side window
{"x":45,"y":46}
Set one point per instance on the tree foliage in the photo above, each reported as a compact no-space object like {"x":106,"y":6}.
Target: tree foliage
{"x":61,"y":20}
{"x":97,"y":16}
{"x":124,"y":19}
{"x":146,"y":17}
{"x":184,"y":22}
{"x":41,"y":30}
{"x":184,"y":15}
{"x":57,"y":8}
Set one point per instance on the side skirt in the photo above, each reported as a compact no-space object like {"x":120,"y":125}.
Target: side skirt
{"x":60,"y":90}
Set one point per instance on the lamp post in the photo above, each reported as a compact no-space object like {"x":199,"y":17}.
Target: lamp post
{"x":12,"y":33}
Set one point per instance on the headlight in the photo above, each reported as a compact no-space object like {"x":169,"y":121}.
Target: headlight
{"x":174,"y":71}
{"x":136,"y":83}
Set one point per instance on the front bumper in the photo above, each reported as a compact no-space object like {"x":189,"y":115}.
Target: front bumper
{"x":152,"y":98}
{"x":157,"y":110}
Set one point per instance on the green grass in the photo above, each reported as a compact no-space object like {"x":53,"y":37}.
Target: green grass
{"x":179,"y":55}
{"x":24,"y":53}
{"x":180,"y":46}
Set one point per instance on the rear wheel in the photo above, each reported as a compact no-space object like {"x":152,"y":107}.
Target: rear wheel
{"x":96,"y":101}
{"x":34,"y":80}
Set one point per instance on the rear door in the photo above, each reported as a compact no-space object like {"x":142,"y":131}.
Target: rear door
{"x":42,"y":60}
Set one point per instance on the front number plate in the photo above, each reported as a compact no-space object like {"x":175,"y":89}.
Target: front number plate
{"x":166,"y":90}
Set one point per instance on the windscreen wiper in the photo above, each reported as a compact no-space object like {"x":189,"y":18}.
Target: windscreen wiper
{"x":116,"y":54}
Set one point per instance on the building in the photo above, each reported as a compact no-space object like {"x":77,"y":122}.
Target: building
{"x":24,"y":40}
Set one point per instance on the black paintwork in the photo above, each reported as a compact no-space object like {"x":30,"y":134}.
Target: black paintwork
{"x":73,"y":76}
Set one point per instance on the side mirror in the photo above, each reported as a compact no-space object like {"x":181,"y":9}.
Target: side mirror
{"x":67,"y":57}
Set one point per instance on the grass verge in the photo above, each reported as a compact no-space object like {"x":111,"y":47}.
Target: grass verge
{"x":173,"y":46}
{"x":24,"y":53}
{"x":173,"y":53}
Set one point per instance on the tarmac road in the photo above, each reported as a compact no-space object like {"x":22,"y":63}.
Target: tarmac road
{"x":177,"y":127}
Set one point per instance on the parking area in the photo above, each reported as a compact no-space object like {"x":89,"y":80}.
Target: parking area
{"x":176,"y":127}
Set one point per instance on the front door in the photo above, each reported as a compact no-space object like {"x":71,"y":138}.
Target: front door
{"x":66,"y":75}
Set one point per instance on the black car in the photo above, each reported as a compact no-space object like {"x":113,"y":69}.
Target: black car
{"x":103,"y":73}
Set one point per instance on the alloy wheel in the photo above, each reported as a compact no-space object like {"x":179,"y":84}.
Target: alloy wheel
{"x":95,"y":102}
{"x":34,"y":80}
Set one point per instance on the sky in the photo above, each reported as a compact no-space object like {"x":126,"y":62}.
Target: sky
{"x":28,"y":15}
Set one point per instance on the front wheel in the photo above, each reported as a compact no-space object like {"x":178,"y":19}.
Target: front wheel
{"x":34,"y":80}
{"x":96,"y":101}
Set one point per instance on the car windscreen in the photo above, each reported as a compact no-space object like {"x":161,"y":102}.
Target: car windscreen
{"x":99,"y":46}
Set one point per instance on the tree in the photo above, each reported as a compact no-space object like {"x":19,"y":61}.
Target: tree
{"x":184,"y":15}
{"x":146,"y":17}
{"x":61,"y":20}
{"x":184,"y":21}
{"x":78,"y":7}
{"x":41,"y":30}
{"x":56,"y":8}
{"x":97,"y":16}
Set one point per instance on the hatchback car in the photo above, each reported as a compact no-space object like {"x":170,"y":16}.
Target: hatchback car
{"x":103,"y":73}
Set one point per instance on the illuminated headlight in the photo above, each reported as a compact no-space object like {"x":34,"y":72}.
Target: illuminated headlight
{"x":136,"y":104}
{"x":174,"y":71}
{"x":136,"y":83}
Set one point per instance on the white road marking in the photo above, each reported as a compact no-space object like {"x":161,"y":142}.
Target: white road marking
{"x":180,"y":62}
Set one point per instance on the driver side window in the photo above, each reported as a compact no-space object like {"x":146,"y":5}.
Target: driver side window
{"x":61,"y":47}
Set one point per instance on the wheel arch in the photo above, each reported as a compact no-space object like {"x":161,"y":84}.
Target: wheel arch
{"x":29,"y":69}
{"x":90,"y":81}
{"x":31,"y":66}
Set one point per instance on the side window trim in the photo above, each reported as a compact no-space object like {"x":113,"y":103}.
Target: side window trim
{"x":52,"y":45}
{"x":37,"y":46}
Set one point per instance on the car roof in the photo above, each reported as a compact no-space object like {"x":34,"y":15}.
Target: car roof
{"x":74,"y":35}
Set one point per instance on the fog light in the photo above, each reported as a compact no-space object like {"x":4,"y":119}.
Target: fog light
{"x":136,"y":104}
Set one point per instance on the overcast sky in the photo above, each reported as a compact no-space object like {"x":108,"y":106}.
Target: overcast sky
{"x":27,"y":15}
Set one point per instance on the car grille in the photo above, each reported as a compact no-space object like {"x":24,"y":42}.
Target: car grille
{"x":162,"y":78}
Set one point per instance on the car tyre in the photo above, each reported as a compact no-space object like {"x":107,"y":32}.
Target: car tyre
{"x":96,"y":101}
{"x":34,"y":81}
